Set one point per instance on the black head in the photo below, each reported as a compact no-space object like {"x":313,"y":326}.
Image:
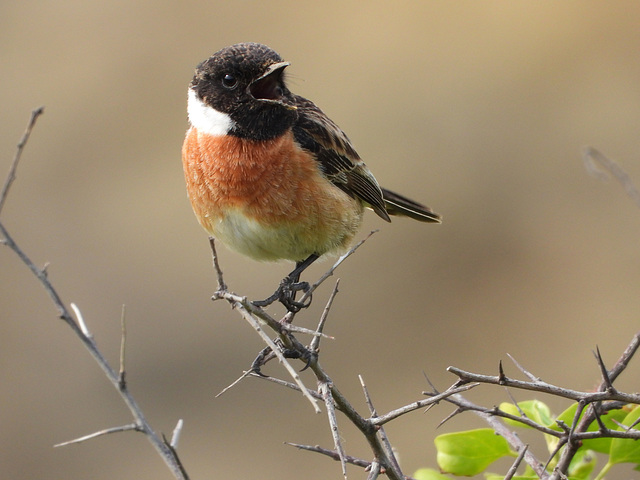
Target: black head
{"x":246,"y":82}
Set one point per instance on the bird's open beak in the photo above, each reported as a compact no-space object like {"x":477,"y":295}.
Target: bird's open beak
{"x":270,"y":86}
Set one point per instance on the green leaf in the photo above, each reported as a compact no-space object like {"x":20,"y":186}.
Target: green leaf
{"x":602,"y":445}
{"x":535,"y":410}
{"x":582,"y":465}
{"x":429,"y":474}
{"x":469,"y":453}
{"x":626,"y":450}
{"x":566,"y":417}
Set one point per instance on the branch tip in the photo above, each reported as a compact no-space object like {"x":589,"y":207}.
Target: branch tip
{"x":175,"y":437}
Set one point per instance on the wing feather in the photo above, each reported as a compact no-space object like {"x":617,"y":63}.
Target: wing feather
{"x":338,"y":160}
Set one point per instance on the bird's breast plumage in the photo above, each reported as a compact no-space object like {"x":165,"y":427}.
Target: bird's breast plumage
{"x":266,"y":199}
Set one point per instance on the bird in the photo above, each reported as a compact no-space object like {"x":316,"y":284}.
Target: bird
{"x":269,"y":174}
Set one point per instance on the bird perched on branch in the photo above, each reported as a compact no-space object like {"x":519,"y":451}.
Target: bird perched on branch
{"x":268,"y":173}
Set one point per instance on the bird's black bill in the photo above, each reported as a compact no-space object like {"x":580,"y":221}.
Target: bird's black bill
{"x":270,"y":86}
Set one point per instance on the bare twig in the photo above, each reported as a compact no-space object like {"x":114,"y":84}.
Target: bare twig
{"x":216,"y":266}
{"x":81,"y":330}
{"x":381,"y":434}
{"x":570,"y":437}
{"x":625,"y":358}
{"x":241,"y":305}
{"x":434,"y":399}
{"x":530,"y":375}
{"x":331,"y":453}
{"x":284,"y":383}
{"x":515,"y":403}
{"x":373,"y":432}
{"x":252,"y":315}
{"x":595,"y":161}
{"x":514,"y":468}
{"x":580,"y":425}
{"x":175,"y":436}
{"x":315,"y":342}
{"x":325,"y":391}
{"x":374,"y":470}
{"x":237,"y":381}
{"x":367,"y":397}
{"x":289,"y":327}
{"x":167,"y":455}
{"x":16,"y":159}
{"x":106,"y":431}
{"x":544,"y":387}
{"x":123,"y":341}
{"x":501,"y":429}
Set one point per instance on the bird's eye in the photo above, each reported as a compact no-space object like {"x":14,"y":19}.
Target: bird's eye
{"x":229,"y":81}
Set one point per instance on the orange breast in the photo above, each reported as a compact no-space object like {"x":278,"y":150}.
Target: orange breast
{"x":267,"y":199}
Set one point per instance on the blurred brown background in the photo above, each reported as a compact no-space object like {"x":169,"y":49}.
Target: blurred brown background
{"x":479,"y":109}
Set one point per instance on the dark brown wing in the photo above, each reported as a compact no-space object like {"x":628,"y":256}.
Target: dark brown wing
{"x":397,"y":204}
{"x":338,"y":160}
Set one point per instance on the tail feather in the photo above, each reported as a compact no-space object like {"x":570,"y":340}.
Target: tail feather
{"x":396,"y":204}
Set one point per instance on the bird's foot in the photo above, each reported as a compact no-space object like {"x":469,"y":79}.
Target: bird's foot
{"x":267,"y":354}
{"x":286,"y":294}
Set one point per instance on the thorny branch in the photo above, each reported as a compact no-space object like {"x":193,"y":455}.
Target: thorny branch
{"x":11,"y":176}
{"x":384,"y":460}
{"x":543,"y":387}
{"x":593,"y":404}
{"x":77,"y":324}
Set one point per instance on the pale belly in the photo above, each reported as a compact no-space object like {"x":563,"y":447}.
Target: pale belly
{"x":287,"y":240}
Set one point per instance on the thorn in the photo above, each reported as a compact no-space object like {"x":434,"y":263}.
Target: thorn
{"x":123,"y":428}
{"x":513,"y":400}
{"x":530,"y":375}
{"x":175,"y":437}
{"x":501,"y":376}
{"x":634,"y":424}
{"x":315,"y":342}
{"x":244,"y":374}
{"x":601,"y":425}
{"x":433,"y":387}
{"x":451,"y":415}
{"x":603,"y":370}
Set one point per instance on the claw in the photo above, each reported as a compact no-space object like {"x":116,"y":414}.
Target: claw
{"x":286,"y":294}
{"x":305,"y":354}
{"x":267,"y":354}
{"x":310,"y":356}
{"x":262,"y":358}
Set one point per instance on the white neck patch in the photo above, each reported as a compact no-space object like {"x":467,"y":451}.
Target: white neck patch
{"x":207,"y":119}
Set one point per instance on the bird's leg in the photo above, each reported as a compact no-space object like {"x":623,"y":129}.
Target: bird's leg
{"x":290,"y":285}
{"x":266,"y":354}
